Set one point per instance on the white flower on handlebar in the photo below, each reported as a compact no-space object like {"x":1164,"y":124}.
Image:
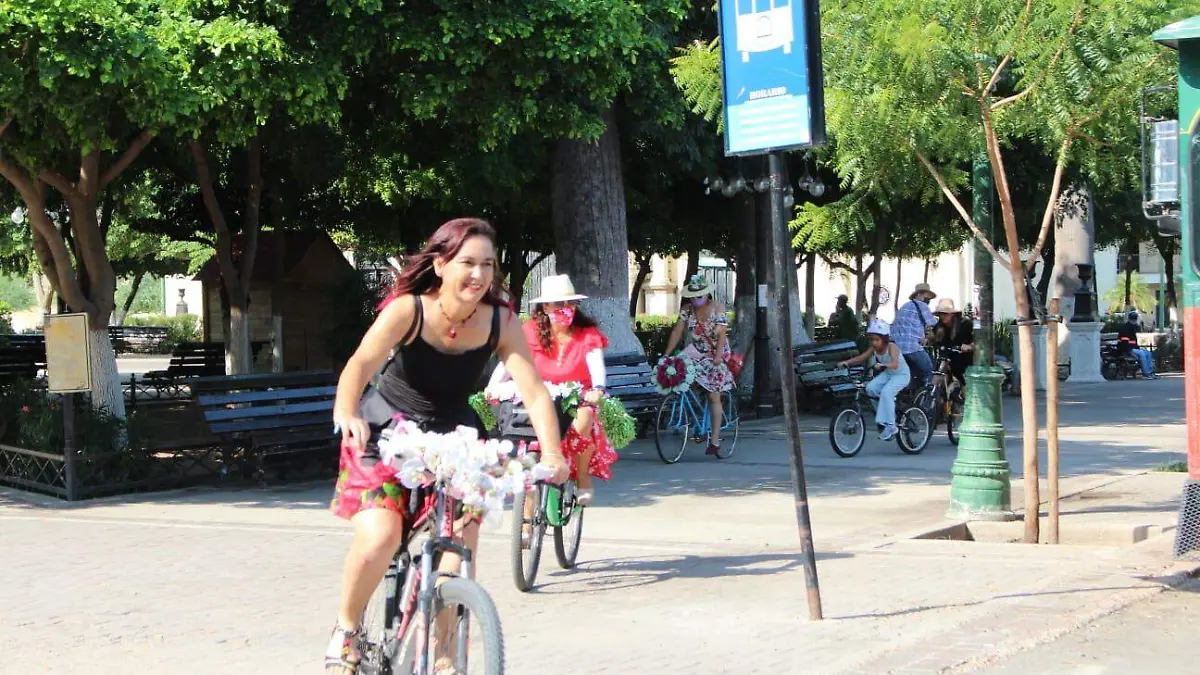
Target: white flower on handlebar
{"x":479,"y":473}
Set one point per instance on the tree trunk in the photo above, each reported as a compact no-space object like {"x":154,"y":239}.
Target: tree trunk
{"x":1167,"y":248}
{"x":899,"y":279}
{"x":877,"y":265}
{"x":1128,"y":282}
{"x":278,"y":293}
{"x":1043,"y":284}
{"x":860,"y":277}
{"x":241,"y":361}
{"x":693,"y":258}
{"x":106,"y":391}
{"x":746,"y":288}
{"x":810,"y":295}
{"x":643,"y":272}
{"x":123,"y":312}
{"x":924,"y":279}
{"x":588,"y":212}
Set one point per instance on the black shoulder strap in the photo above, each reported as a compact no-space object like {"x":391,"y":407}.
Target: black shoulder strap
{"x":494,"y":336}
{"x":418,"y":321}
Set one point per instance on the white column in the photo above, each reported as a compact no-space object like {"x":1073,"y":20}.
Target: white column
{"x":1039,"y":356}
{"x":1085,"y":352}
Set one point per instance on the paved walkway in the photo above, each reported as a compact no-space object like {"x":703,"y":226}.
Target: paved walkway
{"x":691,"y":568}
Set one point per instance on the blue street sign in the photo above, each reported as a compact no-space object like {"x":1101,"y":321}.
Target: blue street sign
{"x":769,"y":50}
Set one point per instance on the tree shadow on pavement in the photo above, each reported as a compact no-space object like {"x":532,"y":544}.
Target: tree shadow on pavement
{"x":611,"y":574}
{"x":976,"y":603}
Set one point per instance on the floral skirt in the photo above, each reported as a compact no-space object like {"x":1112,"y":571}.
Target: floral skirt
{"x":575,"y":444}
{"x":713,"y":377}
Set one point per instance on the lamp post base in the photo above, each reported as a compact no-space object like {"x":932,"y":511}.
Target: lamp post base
{"x":980,"y":487}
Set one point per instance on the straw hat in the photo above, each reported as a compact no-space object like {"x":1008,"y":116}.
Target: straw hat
{"x":922,"y":288}
{"x":557,"y":288}
{"x":946,"y":306}
{"x":697,"y":287}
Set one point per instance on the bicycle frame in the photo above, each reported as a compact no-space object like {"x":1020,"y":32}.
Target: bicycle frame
{"x":420,"y":577}
{"x":685,"y":412}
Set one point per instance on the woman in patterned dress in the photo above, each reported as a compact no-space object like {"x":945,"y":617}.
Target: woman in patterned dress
{"x":705,"y":324}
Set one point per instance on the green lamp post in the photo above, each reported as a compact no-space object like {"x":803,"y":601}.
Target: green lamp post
{"x":1184,"y":36}
{"x":979,"y":487}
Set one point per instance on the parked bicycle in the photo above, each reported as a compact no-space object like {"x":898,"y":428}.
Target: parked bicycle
{"x":682,"y":418}
{"x":418,"y":615}
{"x":556,"y":508}
{"x":848,"y":429}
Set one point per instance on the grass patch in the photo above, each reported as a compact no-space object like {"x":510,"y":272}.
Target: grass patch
{"x":1174,"y":467}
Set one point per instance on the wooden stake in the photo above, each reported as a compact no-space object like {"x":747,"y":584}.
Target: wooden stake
{"x":1052,"y":322}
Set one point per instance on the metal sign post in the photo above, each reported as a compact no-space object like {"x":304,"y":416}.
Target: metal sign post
{"x":771,"y":62}
{"x":68,"y":372}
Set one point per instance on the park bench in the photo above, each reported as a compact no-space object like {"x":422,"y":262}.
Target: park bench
{"x":262,"y":418}
{"x":188,"y":360}
{"x":22,"y":356}
{"x":1113,"y":364}
{"x":137,"y":338}
{"x":631,"y":379}
{"x":818,"y":378}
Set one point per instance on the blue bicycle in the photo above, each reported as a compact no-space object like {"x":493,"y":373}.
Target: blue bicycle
{"x":683,"y":418}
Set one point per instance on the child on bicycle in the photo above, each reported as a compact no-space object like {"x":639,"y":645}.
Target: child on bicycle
{"x":884,"y":357}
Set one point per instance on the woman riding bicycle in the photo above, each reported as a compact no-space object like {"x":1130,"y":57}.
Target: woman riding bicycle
{"x":444,"y":318}
{"x":953,"y":332}
{"x":568,"y":347}
{"x":707,"y":349}
{"x":883,"y":355}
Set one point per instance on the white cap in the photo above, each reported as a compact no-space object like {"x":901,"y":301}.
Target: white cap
{"x":878,"y":327}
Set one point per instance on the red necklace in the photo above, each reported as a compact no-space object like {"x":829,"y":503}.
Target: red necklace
{"x":453,"y":332}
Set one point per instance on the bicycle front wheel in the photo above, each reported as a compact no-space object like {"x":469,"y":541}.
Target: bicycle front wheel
{"x":914,"y":430}
{"x":466,"y":632}
{"x":729,"y":426}
{"x":526,"y":558}
{"x":847,"y":433}
{"x":568,"y":536}
{"x":956,"y":406}
{"x":671,"y":429}
{"x":379,"y":625}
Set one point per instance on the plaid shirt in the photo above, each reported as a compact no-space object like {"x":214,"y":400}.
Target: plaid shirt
{"x":909,"y":327}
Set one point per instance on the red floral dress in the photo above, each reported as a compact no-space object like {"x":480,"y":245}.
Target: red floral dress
{"x":568,"y":363}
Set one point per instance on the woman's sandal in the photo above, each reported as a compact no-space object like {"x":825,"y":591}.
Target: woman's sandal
{"x":346,"y":663}
{"x":445,"y":666}
{"x":714,"y":450}
{"x":584,"y":497}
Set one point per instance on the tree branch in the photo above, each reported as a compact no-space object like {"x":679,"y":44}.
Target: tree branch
{"x":224,"y":243}
{"x":1042,"y":76}
{"x":4,"y":125}
{"x":958,"y":206}
{"x":1055,"y":188}
{"x":58,"y":181}
{"x":131,"y":153}
{"x":837,"y":264}
{"x":252,"y":221}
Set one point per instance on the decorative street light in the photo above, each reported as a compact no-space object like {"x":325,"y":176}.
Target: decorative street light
{"x":18,"y":216}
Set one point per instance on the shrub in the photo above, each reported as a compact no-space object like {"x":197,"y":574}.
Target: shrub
{"x":1002,"y":337}
{"x":36,"y":422}
{"x":653,"y":331}
{"x":5,"y":318}
{"x":180,"y":328}
{"x":16,"y":292}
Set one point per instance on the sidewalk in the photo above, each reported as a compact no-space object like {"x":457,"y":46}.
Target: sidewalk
{"x":690,"y":568}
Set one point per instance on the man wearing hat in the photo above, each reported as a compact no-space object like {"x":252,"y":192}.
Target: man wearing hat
{"x":908,"y":332}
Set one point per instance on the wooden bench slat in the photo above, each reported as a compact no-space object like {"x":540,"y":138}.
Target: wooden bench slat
{"x":261,"y":423}
{"x":281,"y":410}
{"x":207,"y":400}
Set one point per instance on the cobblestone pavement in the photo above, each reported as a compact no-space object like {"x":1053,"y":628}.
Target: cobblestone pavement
{"x":690,"y":568}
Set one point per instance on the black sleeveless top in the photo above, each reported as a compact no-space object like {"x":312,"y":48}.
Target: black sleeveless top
{"x":430,"y":386}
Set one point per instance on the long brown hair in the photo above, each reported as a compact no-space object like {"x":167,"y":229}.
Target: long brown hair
{"x":418,"y":277}
{"x":542,"y":320}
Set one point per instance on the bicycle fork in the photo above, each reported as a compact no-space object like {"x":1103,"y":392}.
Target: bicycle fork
{"x":428,"y":587}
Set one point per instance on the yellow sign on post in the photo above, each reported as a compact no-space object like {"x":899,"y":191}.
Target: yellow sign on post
{"x":68,"y":361}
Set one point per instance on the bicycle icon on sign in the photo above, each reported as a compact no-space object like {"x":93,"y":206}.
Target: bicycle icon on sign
{"x":762,"y":30}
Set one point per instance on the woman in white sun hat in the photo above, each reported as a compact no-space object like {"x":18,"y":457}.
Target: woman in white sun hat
{"x":567,"y":347}
{"x":884,"y":356}
{"x":707,"y":347}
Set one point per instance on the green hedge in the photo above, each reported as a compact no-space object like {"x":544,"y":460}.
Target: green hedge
{"x":180,"y":328}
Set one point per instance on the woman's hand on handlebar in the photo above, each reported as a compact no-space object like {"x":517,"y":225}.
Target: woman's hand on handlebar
{"x":559,"y":464}
{"x":355,"y":430}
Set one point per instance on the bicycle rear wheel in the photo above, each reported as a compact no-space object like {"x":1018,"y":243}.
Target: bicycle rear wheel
{"x":568,"y":536}
{"x":847,"y":432}
{"x":730,"y":427}
{"x":466,"y":631}
{"x":379,"y":625}
{"x":525,"y":561}
{"x":915,"y":430}
{"x":671,"y":429}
